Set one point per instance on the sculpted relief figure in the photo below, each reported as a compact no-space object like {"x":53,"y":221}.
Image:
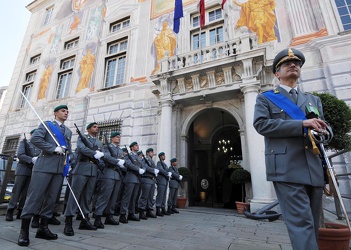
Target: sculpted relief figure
{"x":44,"y":81}
{"x":258,"y":16}
{"x":166,"y":40}
{"x":87,"y":65}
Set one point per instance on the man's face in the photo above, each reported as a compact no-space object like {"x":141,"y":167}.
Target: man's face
{"x":150,"y":154}
{"x":163,"y":157}
{"x":174,"y":164}
{"x":116,"y":140}
{"x":61,"y":115}
{"x":93,"y":130}
{"x":135,"y":148}
{"x":289,"y":70}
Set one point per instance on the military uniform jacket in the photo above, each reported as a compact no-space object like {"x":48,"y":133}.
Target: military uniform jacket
{"x":85,"y":166}
{"x":48,"y":161}
{"x":174,"y":181}
{"x":133,"y":165}
{"x":112,"y":162}
{"x":149,"y":175}
{"x":25,"y":165}
{"x":288,"y":151}
{"x":162,"y":177}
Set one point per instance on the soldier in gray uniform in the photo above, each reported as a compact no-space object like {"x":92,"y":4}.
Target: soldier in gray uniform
{"x":47,"y":174}
{"x":84,"y":178}
{"x":148,"y":180}
{"x":162,"y":182}
{"x":27,"y":154}
{"x":173,"y":187}
{"x":132,"y":184}
{"x":109,"y":182}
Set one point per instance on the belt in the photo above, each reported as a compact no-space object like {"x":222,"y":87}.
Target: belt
{"x":149,"y":177}
{"x":86,"y":161}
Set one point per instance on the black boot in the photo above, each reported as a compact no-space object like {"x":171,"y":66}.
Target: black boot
{"x":54,"y":221}
{"x":35,"y":221}
{"x":86,"y":225}
{"x":23,"y":239}
{"x":159,"y":212}
{"x":43,"y":231}
{"x":165,"y":212}
{"x":175,"y":210}
{"x":150,"y":214}
{"x":123,"y":219}
{"x":110,"y":220}
{"x":97,"y":222}
{"x":132,"y":217}
{"x":142,"y":215}
{"x":9,"y":214}
{"x":169,"y":210}
{"x":19,"y":213}
{"x":68,"y":226}
{"x":79,"y":216}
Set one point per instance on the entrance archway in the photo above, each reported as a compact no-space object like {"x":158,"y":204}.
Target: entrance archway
{"x":213,"y":142}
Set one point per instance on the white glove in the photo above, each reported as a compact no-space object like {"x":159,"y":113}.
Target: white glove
{"x":156,"y":171}
{"x":141,"y":171}
{"x":98,"y":154}
{"x":180,"y":177}
{"x":121,"y":163}
{"x":169,"y":174}
{"x":34,"y":159}
{"x":59,"y":150}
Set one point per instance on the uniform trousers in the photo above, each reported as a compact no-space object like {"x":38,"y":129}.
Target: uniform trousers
{"x":107,"y":196}
{"x":42,"y":193}
{"x":161,"y":196}
{"x":83,"y":188}
{"x":146,"y":199}
{"x":19,"y":191}
{"x":130,"y":194}
{"x":172,"y":197}
{"x":301,"y":207}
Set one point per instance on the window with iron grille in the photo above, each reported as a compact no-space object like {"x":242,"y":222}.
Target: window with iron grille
{"x":344,"y":10}
{"x":11,"y":145}
{"x":109,"y":127}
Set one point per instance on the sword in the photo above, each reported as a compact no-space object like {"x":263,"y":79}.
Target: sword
{"x":58,"y":144}
{"x":321,"y":139}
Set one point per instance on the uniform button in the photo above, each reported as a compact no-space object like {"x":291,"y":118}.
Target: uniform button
{"x":272,"y":151}
{"x":306,"y":147}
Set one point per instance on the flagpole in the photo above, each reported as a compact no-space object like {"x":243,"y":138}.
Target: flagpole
{"x":200,"y":46}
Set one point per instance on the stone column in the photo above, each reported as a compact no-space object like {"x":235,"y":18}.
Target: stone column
{"x":165,"y":135}
{"x":262,"y":190}
{"x":301,"y":17}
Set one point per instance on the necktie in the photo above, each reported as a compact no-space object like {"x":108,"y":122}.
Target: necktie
{"x":294,"y":95}
{"x":62,"y":127}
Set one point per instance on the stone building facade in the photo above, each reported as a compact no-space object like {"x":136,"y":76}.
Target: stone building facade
{"x":191,"y":94}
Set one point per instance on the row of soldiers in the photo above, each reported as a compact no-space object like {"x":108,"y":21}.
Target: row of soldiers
{"x":108,"y":173}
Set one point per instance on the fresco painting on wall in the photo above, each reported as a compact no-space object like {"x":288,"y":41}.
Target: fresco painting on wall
{"x":165,"y":40}
{"x":87,"y":66}
{"x":160,"y":7}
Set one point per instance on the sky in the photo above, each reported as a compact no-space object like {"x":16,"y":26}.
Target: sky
{"x":14,"y":19}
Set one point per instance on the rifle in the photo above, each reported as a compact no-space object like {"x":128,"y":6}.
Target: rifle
{"x":116,"y":168}
{"x":136,"y":163}
{"x":100,"y":164}
{"x":26,"y":149}
{"x":163,"y":168}
{"x":147,"y":162}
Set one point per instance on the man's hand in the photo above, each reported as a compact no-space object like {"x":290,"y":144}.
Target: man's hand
{"x":98,"y":155}
{"x":121,"y":163}
{"x":169,"y":174}
{"x":34,"y":159}
{"x":316,"y":124}
{"x":141,"y":171}
{"x":59,"y":151}
{"x":180,"y":177}
{"x":156,"y":171}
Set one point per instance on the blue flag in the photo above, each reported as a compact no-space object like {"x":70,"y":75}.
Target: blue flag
{"x":178,"y":14}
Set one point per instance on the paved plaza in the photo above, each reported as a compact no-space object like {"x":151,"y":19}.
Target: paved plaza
{"x":193,"y":228}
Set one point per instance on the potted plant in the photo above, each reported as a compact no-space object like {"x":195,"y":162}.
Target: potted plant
{"x":338,"y":114}
{"x":240,"y":177}
{"x":182,"y":199}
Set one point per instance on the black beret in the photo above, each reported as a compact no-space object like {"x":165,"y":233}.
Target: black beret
{"x":60,"y":107}
{"x":139,"y":153}
{"x":124,"y":150}
{"x":173,"y":160}
{"x":114,"y":134}
{"x":31,"y":132}
{"x":160,"y":154}
{"x":149,"y":150}
{"x":287,"y":55}
{"x":91,"y":124}
{"x":133,"y":143}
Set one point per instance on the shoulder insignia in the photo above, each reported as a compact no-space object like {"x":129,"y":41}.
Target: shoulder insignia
{"x":276,"y":91}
